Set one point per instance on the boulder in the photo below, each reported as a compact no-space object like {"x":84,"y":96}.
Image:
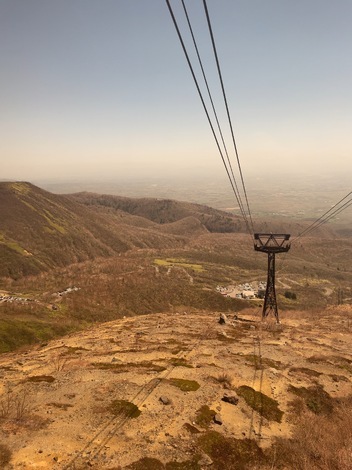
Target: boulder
{"x":165,"y":400}
{"x":232,"y":399}
{"x":223,"y":319}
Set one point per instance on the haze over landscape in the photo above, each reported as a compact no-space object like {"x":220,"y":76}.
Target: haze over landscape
{"x":135,"y":332}
{"x":101,"y":89}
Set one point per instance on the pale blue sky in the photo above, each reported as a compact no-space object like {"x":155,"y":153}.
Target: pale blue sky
{"x":100,"y":88}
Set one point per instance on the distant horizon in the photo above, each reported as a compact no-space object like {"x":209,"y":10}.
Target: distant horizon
{"x":260,"y":173}
{"x":291,"y":195}
{"x":92,"y":89}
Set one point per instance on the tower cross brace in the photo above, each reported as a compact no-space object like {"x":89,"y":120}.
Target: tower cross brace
{"x":271,"y":243}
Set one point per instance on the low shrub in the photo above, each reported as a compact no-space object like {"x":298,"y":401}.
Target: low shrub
{"x":231,"y":453}
{"x":5,"y":455}
{"x":316,"y":398}
{"x":124,"y":407}
{"x":264,"y":405}
{"x":204,"y":416}
{"x":185,"y":385}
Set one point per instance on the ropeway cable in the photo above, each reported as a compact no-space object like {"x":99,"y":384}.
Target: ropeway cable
{"x":250,"y":231}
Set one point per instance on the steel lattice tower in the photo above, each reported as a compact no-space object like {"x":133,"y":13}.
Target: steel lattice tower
{"x":271,"y":243}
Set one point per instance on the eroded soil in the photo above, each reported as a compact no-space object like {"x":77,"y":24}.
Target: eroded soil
{"x":58,"y":400}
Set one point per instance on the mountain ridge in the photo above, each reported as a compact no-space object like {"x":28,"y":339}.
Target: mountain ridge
{"x":40,"y":230}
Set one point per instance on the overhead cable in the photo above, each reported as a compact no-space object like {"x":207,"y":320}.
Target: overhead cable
{"x":212,"y":104}
{"x":250,"y":231}
{"x":227,"y":108}
{"x":332,"y":212}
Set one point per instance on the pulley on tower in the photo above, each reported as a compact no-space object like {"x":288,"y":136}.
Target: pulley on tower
{"x":271,"y":243}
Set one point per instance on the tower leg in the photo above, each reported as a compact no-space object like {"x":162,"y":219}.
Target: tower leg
{"x":270,"y":295}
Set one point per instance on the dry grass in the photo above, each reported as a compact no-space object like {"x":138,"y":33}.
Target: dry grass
{"x":15,"y":405}
{"x":224,"y":379}
{"x":318,"y":442}
{"x":5,"y":455}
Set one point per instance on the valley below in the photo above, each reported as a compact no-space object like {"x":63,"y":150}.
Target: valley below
{"x":113,"y":357}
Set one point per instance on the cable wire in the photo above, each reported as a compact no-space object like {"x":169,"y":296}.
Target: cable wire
{"x":326,"y":216}
{"x":227,"y":109}
{"x":334,"y":214}
{"x":206,"y":112}
{"x":212,"y":104}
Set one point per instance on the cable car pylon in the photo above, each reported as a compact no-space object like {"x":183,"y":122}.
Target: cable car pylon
{"x":271,"y":243}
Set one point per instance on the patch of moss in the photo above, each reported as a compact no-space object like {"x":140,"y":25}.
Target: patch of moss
{"x":262,"y":362}
{"x":41,"y":378}
{"x":338,"y":378}
{"x":339,"y":361}
{"x":52,"y":222}
{"x":264,"y":405}
{"x":16,"y":333}
{"x":176,"y":351}
{"x":184,"y":385}
{"x":146,"y":463}
{"x":226,"y":339}
{"x":121,"y":367}
{"x":124,"y":407}
{"x":61,"y":406}
{"x":343,"y":363}
{"x":204,"y":416}
{"x":5,"y":455}
{"x":180,"y":362}
{"x":305,"y":371}
{"x":315,"y":398}
{"x":190,"y":428}
{"x":187,"y":465}
{"x":317,"y":359}
{"x":12,"y":244}
{"x":20,"y":187}
{"x":179,"y":263}
{"x":74,"y":349}
{"x":231,"y":454}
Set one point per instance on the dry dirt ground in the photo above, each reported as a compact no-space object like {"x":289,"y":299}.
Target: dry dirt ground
{"x":57,"y":399}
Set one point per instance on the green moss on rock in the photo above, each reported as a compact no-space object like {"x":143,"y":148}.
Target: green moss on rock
{"x":264,"y":405}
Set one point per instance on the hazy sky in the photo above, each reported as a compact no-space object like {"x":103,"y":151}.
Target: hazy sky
{"x":101,"y":88}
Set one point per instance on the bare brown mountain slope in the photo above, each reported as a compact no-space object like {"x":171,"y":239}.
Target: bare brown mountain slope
{"x":41,"y":231}
{"x":180,"y":391}
{"x":164,"y":211}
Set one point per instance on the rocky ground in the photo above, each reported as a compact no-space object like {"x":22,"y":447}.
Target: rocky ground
{"x":150,"y":386}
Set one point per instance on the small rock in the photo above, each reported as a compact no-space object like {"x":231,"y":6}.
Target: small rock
{"x":164,"y":400}
{"x":205,"y":461}
{"x":114,"y":359}
{"x":233,"y":400}
{"x":218,"y":419}
{"x":222,"y":319}
{"x":70,"y":396}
